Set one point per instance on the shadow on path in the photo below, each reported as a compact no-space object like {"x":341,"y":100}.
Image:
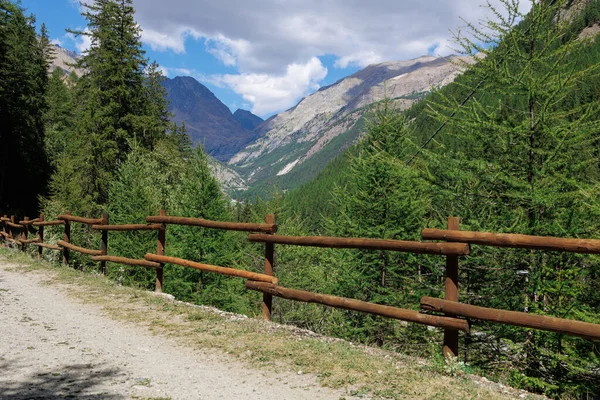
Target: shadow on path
{"x":78,"y":381}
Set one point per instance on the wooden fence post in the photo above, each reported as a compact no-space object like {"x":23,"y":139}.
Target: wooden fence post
{"x":5,"y":231}
{"x":10,"y":228}
{"x":450,"y":349}
{"x":104,"y":248}
{"x":67,"y":238}
{"x":24,"y":232}
{"x":41,"y":237}
{"x":267,"y":304}
{"x":160,"y":251}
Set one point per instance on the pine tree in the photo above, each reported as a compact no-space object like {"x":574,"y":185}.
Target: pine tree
{"x":23,"y":83}
{"x":59,"y":117}
{"x":117,"y":101}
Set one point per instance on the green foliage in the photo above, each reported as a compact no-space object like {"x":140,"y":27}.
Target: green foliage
{"x":117,"y":100}
{"x":23,"y":84}
{"x":59,"y":117}
{"x":520,"y":156}
{"x":383,"y":199}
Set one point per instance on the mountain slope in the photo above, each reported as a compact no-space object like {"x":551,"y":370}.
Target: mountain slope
{"x":247,"y":120}
{"x":64,"y":59}
{"x":208,"y":121}
{"x":291,"y":139}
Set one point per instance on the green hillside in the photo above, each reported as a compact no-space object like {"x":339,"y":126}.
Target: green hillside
{"x":519,"y":154}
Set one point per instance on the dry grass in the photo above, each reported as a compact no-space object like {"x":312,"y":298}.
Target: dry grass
{"x":338,"y":364}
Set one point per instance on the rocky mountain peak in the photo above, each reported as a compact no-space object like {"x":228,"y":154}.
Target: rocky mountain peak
{"x":247,"y":120}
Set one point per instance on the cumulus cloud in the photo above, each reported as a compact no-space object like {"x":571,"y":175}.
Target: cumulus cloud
{"x":83,"y":42}
{"x":268,"y":93}
{"x":174,"y":41}
{"x":265,"y":39}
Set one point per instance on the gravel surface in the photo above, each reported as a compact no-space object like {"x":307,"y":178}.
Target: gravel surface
{"x":54,"y":347}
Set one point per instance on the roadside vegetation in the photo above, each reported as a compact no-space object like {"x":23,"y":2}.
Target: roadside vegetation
{"x":361,"y":370}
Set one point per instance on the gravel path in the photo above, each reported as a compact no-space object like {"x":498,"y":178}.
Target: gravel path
{"x":54,"y":347}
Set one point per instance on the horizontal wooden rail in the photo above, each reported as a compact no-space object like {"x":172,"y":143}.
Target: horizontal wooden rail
{"x":541,"y":322}
{"x":211,"y":268}
{"x":585,"y":246}
{"x":29,"y":221}
{"x":232,"y":226}
{"x":47,"y":246}
{"x":128,"y":227}
{"x":4,"y":234}
{"x":357,"y":305}
{"x":83,"y":250}
{"x":4,"y":219}
{"x":89,"y":221}
{"x":459,"y":249}
{"x":48,"y":223}
{"x":14,"y":241}
{"x":127,"y":261}
{"x":28,"y":241}
{"x":16,"y":226}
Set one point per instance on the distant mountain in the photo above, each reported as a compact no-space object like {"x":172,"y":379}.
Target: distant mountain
{"x":293,"y":146}
{"x":247,"y":120}
{"x":64,"y":59}
{"x":208,"y":121}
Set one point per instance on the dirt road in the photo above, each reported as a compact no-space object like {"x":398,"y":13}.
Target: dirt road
{"x":54,"y":347}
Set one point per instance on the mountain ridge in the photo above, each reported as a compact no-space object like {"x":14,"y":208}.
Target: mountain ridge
{"x":208,"y":121}
{"x":291,"y":138}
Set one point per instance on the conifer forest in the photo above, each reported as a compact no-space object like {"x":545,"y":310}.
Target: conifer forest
{"x":511,"y":146}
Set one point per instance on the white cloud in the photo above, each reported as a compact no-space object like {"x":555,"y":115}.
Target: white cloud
{"x":268,"y":93}
{"x":266,"y":39}
{"x":81,"y":42}
{"x":174,"y":41}
{"x":227,"y":50}
{"x":265,"y":36}
{"x":57,"y":42}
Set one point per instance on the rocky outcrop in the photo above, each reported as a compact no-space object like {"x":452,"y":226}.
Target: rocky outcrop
{"x":65,"y":59}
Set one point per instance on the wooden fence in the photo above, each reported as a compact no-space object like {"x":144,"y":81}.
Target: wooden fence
{"x":453,"y":315}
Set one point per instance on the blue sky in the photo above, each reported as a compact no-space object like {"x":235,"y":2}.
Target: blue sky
{"x":265,"y":55}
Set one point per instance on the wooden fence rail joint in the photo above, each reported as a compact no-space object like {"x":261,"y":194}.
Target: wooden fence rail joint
{"x":29,"y":221}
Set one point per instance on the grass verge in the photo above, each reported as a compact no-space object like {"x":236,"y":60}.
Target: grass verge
{"x":360,"y":370}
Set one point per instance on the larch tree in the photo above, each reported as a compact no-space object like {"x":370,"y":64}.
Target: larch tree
{"x":521,"y":157}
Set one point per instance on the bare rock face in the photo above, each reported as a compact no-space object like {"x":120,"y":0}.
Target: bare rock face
{"x":65,"y":59}
{"x":291,"y":138}
{"x":229,"y":179}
